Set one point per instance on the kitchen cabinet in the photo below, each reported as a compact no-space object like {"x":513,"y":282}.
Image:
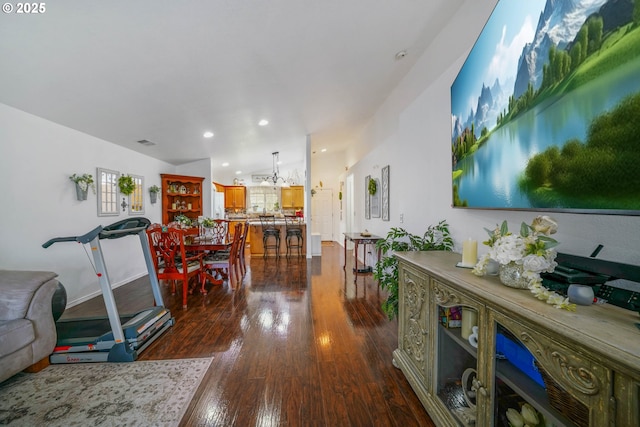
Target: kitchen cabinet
{"x":235,"y":197}
{"x":292,"y":197}
{"x":574,"y":368}
{"x":181,"y":195}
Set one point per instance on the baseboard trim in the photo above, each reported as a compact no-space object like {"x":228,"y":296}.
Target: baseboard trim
{"x":99,"y":292}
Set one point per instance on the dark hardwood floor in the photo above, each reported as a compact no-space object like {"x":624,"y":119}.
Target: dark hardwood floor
{"x":298,"y":345}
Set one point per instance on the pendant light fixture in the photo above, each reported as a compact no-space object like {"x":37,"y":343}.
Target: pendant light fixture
{"x":276,"y":179}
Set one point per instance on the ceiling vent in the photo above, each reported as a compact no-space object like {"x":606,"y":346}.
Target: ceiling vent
{"x":146,"y":142}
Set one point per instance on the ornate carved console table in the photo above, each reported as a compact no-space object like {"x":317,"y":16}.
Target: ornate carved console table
{"x":574,"y":368}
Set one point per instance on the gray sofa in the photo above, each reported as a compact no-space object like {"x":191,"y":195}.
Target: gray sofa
{"x":27,"y":328}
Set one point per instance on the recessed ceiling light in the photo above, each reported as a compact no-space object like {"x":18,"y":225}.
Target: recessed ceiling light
{"x":324,"y":150}
{"x":208,"y":134}
{"x":225,"y":164}
{"x":238,"y":172}
{"x":263,"y":122}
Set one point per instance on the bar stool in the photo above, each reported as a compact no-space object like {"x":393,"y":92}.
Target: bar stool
{"x":270,"y":232}
{"x":293,"y":230}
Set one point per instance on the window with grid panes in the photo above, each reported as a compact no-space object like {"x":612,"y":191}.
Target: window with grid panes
{"x":264,"y":198}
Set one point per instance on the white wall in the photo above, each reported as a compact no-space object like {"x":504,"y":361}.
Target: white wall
{"x":37,"y":157}
{"x":411,"y":133}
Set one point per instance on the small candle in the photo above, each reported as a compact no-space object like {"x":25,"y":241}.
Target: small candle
{"x":469,"y":320}
{"x":173,"y":206}
{"x":469,"y":252}
{"x":189,"y":206}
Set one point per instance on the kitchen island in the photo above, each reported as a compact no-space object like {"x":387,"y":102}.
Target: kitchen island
{"x":255,"y":234}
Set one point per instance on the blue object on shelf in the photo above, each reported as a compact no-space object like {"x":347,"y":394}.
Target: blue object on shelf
{"x":519,"y":356}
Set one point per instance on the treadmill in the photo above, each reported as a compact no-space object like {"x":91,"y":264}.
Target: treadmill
{"x":113,"y":338}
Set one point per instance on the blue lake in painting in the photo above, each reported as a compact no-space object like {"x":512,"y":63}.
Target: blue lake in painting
{"x":490,"y":175}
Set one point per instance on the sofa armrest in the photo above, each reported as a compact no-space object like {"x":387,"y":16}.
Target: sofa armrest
{"x":17,"y":289}
{"x":28,"y":294}
{"x":40,"y":313}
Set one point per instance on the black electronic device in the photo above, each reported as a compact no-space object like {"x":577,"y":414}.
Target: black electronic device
{"x":570,"y":275}
{"x":600,"y":274}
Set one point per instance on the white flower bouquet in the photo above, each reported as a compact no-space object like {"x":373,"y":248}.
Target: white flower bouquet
{"x":533,"y":249}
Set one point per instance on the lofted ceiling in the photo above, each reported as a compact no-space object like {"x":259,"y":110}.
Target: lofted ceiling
{"x":167,"y":71}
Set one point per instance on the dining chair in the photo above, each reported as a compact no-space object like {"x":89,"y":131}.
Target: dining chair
{"x":220,"y":229}
{"x":223,"y":260}
{"x":242,"y":247}
{"x":171,"y":261}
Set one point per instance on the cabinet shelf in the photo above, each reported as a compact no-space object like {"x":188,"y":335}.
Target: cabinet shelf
{"x":456,"y":335}
{"x":530,"y":391}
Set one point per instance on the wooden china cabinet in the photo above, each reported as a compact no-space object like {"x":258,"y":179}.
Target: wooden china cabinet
{"x":577,"y":368}
{"x":181,"y":195}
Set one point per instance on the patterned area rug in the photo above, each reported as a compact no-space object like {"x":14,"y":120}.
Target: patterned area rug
{"x":145,"y":393}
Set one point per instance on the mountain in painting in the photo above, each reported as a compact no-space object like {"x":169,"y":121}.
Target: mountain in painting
{"x":558,"y":25}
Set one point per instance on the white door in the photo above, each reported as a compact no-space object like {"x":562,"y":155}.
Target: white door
{"x":322,"y":213}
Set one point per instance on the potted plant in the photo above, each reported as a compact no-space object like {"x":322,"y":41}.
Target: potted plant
{"x":153,"y":193}
{"x":436,"y":238}
{"x":126,"y":184}
{"x":83,"y":182}
{"x":184,"y":221}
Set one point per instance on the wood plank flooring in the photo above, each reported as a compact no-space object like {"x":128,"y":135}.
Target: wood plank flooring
{"x":298,"y":345}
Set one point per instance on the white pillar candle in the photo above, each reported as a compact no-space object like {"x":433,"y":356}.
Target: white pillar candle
{"x":469,"y":320}
{"x":469,"y":253}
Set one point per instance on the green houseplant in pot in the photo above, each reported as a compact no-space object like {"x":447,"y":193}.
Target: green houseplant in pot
{"x":83,"y":182}
{"x":436,"y":238}
{"x":153,"y":193}
{"x":126,"y":184}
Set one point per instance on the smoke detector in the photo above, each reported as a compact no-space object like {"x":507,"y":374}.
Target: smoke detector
{"x":401,"y":55}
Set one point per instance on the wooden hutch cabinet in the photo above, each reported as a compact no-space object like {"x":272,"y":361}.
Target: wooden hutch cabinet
{"x":235,"y":197}
{"x":574,"y":368}
{"x":292,"y":197}
{"x":181,"y":195}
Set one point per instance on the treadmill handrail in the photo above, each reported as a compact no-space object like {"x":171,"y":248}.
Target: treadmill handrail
{"x":105,"y":234}
{"x":85,"y":238}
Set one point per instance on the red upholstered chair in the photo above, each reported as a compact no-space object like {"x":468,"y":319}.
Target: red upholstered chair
{"x":171,"y":261}
{"x":241,"y":248}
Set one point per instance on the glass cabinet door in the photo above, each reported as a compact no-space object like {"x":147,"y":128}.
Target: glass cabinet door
{"x":538,"y":379}
{"x":457,"y":334}
{"x":519,"y":386}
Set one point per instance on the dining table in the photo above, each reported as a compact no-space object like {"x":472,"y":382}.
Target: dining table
{"x":199,"y":243}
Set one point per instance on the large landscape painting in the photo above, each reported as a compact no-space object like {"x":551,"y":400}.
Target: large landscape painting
{"x":545,"y":112}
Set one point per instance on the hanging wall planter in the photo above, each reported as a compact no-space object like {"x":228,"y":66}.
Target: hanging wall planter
{"x":153,"y":193}
{"x":82,"y":183}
